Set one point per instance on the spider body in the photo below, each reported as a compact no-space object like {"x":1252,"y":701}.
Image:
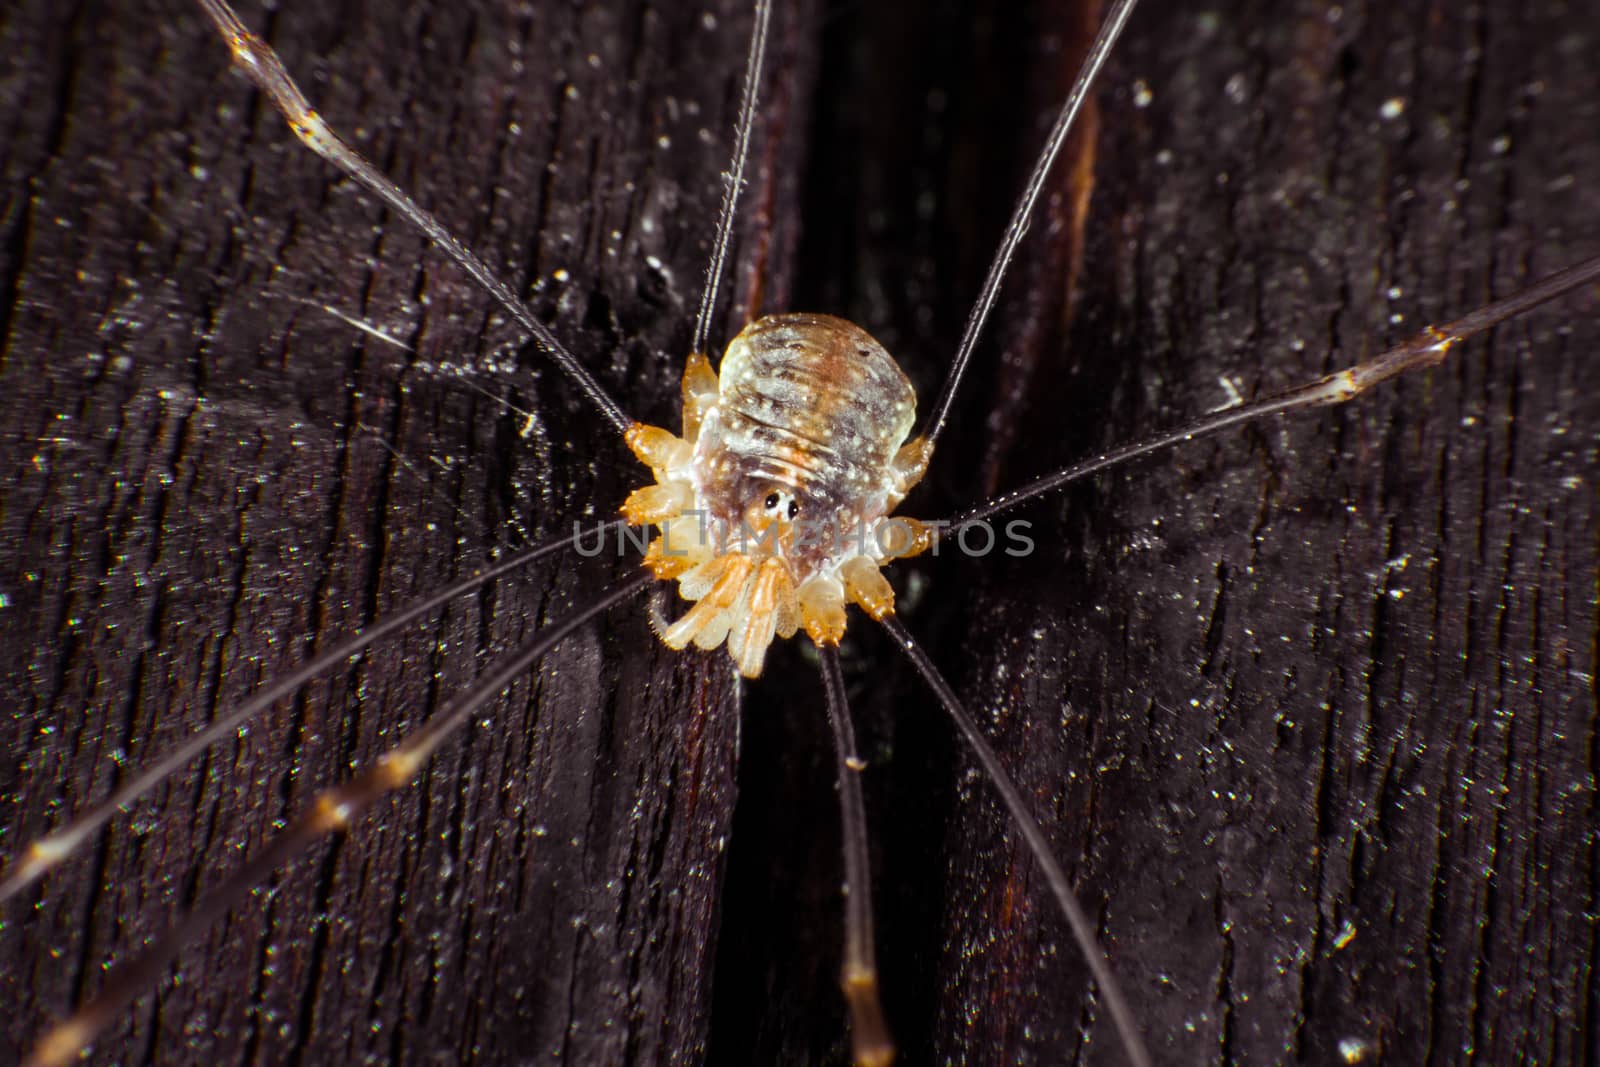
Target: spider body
{"x":775,"y":502}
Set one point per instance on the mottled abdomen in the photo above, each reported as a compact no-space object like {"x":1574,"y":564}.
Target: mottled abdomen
{"x":807,"y":403}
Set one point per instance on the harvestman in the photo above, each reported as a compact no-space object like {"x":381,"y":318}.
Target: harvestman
{"x":1428,"y":348}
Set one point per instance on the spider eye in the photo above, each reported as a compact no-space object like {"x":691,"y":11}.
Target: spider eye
{"x":772,"y":501}
{"x":794,"y":508}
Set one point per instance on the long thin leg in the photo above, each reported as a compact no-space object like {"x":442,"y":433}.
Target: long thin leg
{"x":47,"y":852}
{"x":258,"y":60}
{"x":330,"y":811}
{"x":1082,"y":932}
{"x":1427,"y":348}
{"x":734,"y":177}
{"x":871,"y":1045}
{"x":1099,"y":51}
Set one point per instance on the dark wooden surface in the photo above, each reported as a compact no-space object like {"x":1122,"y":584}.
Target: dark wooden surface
{"x":204,"y":488}
{"x":1308,"y":711}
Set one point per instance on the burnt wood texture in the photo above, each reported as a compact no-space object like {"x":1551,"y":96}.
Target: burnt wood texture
{"x":1309,"y":710}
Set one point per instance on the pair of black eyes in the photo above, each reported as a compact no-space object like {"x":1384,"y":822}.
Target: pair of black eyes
{"x":772,"y":502}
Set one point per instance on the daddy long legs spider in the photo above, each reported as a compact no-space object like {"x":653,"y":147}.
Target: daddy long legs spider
{"x":324,"y":597}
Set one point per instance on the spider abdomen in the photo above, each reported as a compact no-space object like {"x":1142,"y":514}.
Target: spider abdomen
{"x":807,"y":403}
